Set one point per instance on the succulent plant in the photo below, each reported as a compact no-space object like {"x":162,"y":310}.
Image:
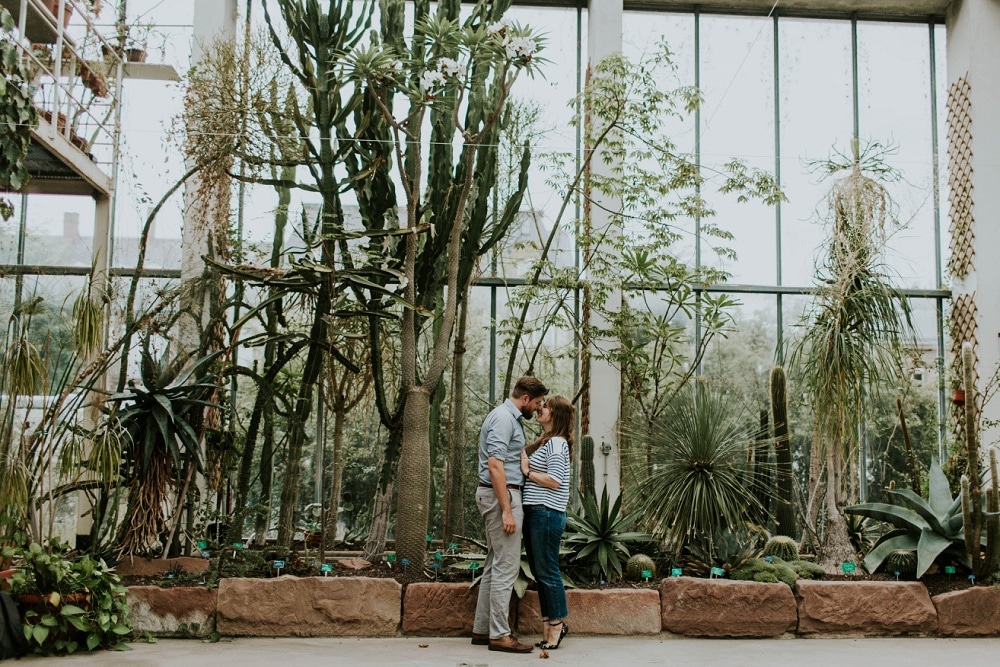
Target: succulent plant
{"x":783,"y":547}
{"x":901,"y":562}
{"x":587,"y":466}
{"x":635,"y":566}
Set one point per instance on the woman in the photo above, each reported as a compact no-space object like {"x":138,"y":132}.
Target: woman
{"x":545,"y":464}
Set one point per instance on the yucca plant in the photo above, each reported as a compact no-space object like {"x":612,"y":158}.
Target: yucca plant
{"x":700,"y":482}
{"x":931,"y":527}
{"x":601,"y":536}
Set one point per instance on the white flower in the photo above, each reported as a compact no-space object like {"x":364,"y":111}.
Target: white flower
{"x":498,"y":28}
{"x":430,"y":80}
{"x":520,"y":47}
{"x":450,"y":67}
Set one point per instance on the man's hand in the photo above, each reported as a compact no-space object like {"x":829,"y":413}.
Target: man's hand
{"x":509,"y":525}
{"x":525,"y":464}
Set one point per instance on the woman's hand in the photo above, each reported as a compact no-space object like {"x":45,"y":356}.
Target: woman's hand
{"x":525,"y":465}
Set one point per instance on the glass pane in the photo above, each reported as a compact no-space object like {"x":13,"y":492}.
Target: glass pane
{"x":744,"y":358}
{"x":895,"y":108}
{"x":816,"y":115}
{"x":737,"y":121}
{"x":60,"y":231}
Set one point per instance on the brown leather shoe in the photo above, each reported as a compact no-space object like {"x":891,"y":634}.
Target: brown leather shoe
{"x":480,"y":640}
{"x":509,"y":644}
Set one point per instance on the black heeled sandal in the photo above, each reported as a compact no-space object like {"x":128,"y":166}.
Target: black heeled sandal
{"x":562,"y":633}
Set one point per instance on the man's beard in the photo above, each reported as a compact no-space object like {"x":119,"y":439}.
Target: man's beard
{"x":527,"y":413}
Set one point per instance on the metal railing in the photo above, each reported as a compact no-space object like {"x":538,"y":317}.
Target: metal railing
{"x":76,"y":73}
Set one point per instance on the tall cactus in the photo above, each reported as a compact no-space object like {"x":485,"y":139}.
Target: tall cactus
{"x":784,"y":512}
{"x":587,"y":467}
{"x":972,"y":492}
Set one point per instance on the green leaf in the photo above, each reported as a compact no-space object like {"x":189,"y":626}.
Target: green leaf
{"x":39,"y":633}
{"x":929,"y":548}
{"x":93,"y":641}
{"x":71,"y":610}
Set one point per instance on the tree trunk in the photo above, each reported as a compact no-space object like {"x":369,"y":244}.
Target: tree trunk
{"x":414,"y":477}
{"x":379,"y":528}
{"x":336,"y":475}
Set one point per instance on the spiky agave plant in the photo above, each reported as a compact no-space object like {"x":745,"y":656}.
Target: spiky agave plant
{"x":700,"y":481}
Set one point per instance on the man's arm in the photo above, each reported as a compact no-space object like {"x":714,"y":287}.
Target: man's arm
{"x":499,"y":480}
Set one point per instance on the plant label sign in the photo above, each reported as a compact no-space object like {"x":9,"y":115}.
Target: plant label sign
{"x":326,"y":568}
{"x":202,"y":544}
{"x":277,"y":565}
{"x":647,"y":574}
{"x":718,"y":572}
{"x":949,"y":569}
{"x":391,"y":558}
{"x":675,"y":571}
{"x":768,"y":559}
{"x":848,"y":567}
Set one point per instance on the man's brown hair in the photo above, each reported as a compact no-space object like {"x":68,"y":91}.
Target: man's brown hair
{"x":528,"y":385}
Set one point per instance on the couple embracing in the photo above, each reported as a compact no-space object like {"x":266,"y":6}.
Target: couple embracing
{"x":523,"y":489}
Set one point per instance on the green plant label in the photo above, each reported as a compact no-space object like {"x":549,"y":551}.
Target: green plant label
{"x":646,"y":574}
{"x":949,"y":569}
{"x":326,"y":567}
{"x":278,"y":564}
{"x":473,"y":565}
{"x":675,"y":572}
{"x":430,"y":537}
{"x":391,"y":558}
{"x":237,"y":545}
{"x":718,"y":572}
{"x":202,"y":544}
{"x":453,"y":546}
{"x":438,"y":556}
{"x":848,"y":567}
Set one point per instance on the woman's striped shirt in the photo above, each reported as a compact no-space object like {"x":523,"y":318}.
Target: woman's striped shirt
{"x":552,"y":458}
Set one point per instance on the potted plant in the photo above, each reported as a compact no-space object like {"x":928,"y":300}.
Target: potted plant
{"x":67,"y":603}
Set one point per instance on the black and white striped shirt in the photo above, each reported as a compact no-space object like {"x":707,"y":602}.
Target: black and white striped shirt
{"x":552,"y":458}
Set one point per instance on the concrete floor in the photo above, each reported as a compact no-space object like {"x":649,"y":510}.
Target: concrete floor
{"x":590,"y":651}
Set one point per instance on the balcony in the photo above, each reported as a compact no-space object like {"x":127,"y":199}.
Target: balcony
{"x":76,"y":73}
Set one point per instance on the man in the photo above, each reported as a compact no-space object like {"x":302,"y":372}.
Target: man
{"x":498,"y":497}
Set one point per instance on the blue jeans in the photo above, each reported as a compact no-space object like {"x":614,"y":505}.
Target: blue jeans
{"x":543,"y":529}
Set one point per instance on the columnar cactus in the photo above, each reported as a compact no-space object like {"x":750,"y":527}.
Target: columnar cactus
{"x":587,"y":466}
{"x":784,"y":511}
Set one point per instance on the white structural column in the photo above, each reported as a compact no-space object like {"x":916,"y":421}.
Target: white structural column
{"x":604,"y":39}
{"x":974,"y":54}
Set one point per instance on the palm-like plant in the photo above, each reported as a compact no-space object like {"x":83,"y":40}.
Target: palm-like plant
{"x":853,"y":342}
{"x":159,"y":420}
{"x":601,"y":536}
{"x":931,"y":527}
{"x":700,"y":481}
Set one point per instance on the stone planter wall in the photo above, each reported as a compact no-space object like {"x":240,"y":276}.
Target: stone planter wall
{"x":617,"y":611}
{"x":290,"y":606}
{"x":865,"y":607}
{"x":172,"y":612}
{"x":374,"y":607}
{"x":724,"y":608}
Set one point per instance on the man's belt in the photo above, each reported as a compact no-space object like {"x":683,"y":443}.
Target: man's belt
{"x":513,"y":487}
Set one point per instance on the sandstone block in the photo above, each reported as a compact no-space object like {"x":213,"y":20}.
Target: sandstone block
{"x":865,"y":607}
{"x":619,"y":611}
{"x":725,"y":608}
{"x":439,"y":610}
{"x":290,"y":606}
{"x":172,"y":612}
{"x":970,"y":613}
